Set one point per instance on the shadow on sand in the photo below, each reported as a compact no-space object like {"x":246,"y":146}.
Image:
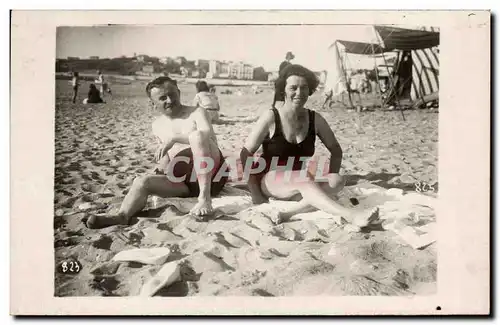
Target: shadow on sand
{"x":384,"y":180}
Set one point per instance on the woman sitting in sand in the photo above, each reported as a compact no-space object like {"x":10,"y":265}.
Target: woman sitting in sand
{"x":93,"y":96}
{"x":188,"y":155}
{"x":290,"y":133}
{"x":207,"y":99}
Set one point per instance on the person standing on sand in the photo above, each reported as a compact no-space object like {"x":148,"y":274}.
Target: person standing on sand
{"x":290,"y":132}
{"x":75,"y":83}
{"x":328,"y":93}
{"x":278,"y":97}
{"x":103,"y":85}
{"x":187,"y":144}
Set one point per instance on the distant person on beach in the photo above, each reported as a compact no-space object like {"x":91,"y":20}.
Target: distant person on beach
{"x":278,"y":97}
{"x":188,"y":156}
{"x":103,"y":85}
{"x":93,"y":96}
{"x":75,"y":83}
{"x":289,"y":133}
{"x":207,"y":99}
{"x":328,"y":93}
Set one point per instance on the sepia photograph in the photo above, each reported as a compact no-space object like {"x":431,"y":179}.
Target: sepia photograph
{"x":250,"y":162}
{"x":354,"y":107}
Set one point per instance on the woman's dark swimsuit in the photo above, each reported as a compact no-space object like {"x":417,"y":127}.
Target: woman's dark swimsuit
{"x":278,"y":146}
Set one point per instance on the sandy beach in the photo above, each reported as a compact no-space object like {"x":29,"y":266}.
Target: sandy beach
{"x":101,"y":148}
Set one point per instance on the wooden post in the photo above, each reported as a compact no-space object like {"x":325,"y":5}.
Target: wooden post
{"x":376,"y":74}
{"x":390,"y":77}
{"x":348,"y":86}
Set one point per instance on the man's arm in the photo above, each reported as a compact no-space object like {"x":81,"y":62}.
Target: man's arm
{"x":328,"y":138}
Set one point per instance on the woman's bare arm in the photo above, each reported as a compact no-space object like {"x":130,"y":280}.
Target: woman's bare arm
{"x":328,"y":138}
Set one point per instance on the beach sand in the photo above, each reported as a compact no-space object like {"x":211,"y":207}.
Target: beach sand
{"x":100,"y":149}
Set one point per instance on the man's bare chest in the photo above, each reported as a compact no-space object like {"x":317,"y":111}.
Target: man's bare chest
{"x":167,"y":128}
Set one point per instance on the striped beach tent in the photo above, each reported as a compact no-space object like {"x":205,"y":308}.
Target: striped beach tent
{"x":415,"y":72}
{"x":417,"y":67}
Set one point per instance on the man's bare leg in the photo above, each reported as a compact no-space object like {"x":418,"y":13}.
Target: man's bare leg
{"x":162,"y":166}
{"x":276,"y":185}
{"x":137,"y":197}
{"x":203,"y":146}
{"x":75,"y":94}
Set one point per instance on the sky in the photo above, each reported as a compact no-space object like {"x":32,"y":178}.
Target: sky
{"x":258,"y":45}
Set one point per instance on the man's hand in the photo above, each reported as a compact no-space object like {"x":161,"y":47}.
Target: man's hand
{"x":162,"y":151}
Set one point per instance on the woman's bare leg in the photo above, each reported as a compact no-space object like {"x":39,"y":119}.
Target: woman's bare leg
{"x":334,"y":185}
{"x":275,"y":184}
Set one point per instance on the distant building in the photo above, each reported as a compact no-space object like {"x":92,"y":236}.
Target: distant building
{"x":180,"y":60}
{"x":203,"y":64}
{"x":165,"y":60}
{"x":148,"y":69}
{"x":185,"y":72}
{"x":224,"y":69}
{"x":73,"y":58}
{"x":93,"y":57}
{"x":260,"y":73}
{"x":141,"y":58}
{"x":272,"y":76}
{"x":199,"y":73}
{"x":236,"y":70}
{"x":213,"y":69}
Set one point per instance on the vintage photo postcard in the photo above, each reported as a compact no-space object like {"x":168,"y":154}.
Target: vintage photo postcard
{"x":250,"y":162}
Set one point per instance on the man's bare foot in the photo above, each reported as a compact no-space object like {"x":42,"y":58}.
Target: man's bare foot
{"x":365,"y":217}
{"x":103,"y":221}
{"x":202,"y":208}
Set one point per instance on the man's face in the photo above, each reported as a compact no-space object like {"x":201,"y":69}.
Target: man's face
{"x":165,"y":98}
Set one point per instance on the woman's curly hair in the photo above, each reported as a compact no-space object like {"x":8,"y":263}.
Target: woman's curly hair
{"x":296,"y":70}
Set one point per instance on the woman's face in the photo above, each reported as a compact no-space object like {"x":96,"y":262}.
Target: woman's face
{"x":296,"y":91}
{"x":165,"y":98}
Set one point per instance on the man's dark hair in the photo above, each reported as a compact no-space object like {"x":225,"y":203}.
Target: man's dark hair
{"x":158,"y":82}
{"x":296,"y":70}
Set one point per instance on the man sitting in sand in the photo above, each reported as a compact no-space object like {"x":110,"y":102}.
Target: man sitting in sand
{"x":188,"y":154}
